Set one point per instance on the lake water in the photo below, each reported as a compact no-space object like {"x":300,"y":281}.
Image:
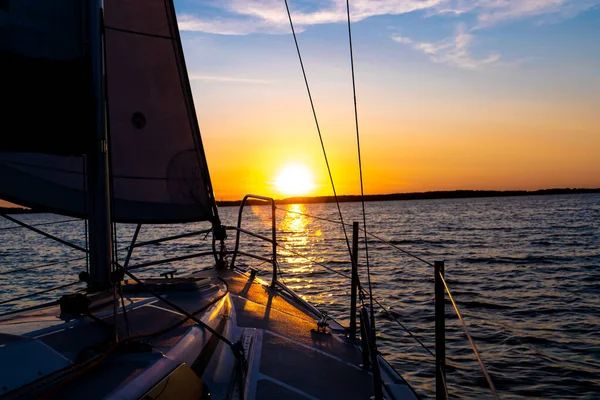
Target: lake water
{"x":525,"y":272}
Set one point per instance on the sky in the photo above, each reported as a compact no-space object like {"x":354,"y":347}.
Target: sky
{"x":452,"y":94}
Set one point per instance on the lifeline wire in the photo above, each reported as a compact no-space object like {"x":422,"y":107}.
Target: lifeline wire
{"x":375,"y":300}
{"x":312,"y":105}
{"x":37,"y":293}
{"x":46,"y":265}
{"x":404,"y":327}
{"x":316,"y":263}
{"x":464,"y":326}
{"x":49,"y":236}
{"x":40,"y":266}
{"x":408,"y":253}
{"x":40,"y":224}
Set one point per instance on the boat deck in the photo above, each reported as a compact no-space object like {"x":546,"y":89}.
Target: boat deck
{"x":286,"y":356}
{"x":292,"y":360}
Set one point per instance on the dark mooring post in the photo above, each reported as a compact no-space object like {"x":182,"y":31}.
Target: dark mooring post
{"x":440,"y":333}
{"x":354,"y":281}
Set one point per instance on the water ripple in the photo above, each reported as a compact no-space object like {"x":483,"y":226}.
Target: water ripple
{"x":525,"y":272}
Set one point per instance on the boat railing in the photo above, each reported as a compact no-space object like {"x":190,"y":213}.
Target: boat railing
{"x":19,"y":224}
{"x":440,"y":290}
{"x":272,"y":240}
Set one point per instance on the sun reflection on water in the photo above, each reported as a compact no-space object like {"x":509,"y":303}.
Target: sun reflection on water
{"x":296,"y":230}
{"x":301,"y":247}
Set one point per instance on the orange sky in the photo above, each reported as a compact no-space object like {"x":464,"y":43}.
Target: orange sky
{"x":415,"y":141}
{"x":445,"y":119}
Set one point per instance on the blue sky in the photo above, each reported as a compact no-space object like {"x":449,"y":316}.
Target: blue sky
{"x":238,"y":40}
{"x":506,"y":92}
{"x":461,"y":33}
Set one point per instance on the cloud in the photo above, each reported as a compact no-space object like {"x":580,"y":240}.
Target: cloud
{"x":243,"y":17}
{"x":224,"y":26}
{"x":454,"y":51}
{"x":493,"y":12}
{"x":403,"y":40}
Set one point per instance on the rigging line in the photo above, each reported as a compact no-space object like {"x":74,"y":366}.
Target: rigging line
{"x":111,"y":185}
{"x":444,"y":382}
{"x":281,"y":274}
{"x":114,"y":28}
{"x":47,"y":265}
{"x":464,"y":326}
{"x":41,"y":224}
{"x":382,"y":240}
{"x":127,"y":326}
{"x":408,"y":253}
{"x":40,"y":266}
{"x":175,"y":237}
{"x":79,"y":369}
{"x":362,"y":191}
{"x":176,"y":307}
{"x":317,"y":263}
{"x":132,"y":245}
{"x":85,"y":210}
{"x":404,"y":327}
{"x":312,"y":105}
{"x":16,"y":221}
{"x":362,"y":292}
{"x":38,"y":293}
{"x":125,"y":265}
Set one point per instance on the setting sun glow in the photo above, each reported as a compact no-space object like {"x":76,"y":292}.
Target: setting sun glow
{"x":294,"y":180}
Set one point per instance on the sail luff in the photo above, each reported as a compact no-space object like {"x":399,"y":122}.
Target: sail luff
{"x":185,"y":81}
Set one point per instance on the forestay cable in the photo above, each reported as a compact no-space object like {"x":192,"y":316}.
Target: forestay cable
{"x":362,"y":191}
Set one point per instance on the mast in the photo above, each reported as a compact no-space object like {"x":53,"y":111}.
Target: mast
{"x":98,"y":190}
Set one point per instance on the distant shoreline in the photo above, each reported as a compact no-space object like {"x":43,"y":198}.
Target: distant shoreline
{"x":449,"y":194}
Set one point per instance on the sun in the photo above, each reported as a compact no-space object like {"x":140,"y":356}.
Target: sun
{"x":294,"y":180}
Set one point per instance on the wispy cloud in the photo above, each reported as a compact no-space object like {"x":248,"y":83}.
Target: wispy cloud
{"x":455,"y":51}
{"x":228,"y":25}
{"x":402,"y":39}
{"x":242,"y":17}
{"x":233,"y":79}
{"x":492,"y":12}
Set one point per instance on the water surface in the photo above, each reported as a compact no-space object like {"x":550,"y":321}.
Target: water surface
{"x":525,"y":272}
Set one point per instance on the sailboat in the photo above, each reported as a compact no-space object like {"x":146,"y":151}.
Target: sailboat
{"x":99,"y":123}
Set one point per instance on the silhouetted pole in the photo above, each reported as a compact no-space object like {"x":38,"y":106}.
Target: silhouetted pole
{"x":274,"y":240}
{"x":354,"y":281}
{"x":440,"y":332}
